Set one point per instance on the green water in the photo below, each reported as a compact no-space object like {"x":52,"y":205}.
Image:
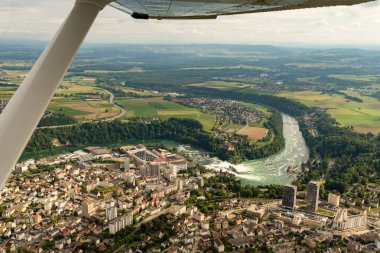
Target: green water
{"x":270,"y":170}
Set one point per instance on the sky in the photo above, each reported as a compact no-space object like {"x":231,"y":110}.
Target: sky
{"x":357,"y":25}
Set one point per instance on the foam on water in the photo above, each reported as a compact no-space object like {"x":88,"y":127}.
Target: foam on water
{"x":270,"y":170}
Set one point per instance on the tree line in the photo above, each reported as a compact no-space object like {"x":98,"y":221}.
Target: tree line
{"x":182,"y":130}
{"x":339,"y":155}
{"x":56,"y":119}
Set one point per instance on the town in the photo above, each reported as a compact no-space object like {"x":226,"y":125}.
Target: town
{"x":93,"y":197}
{"x":227,"y":111}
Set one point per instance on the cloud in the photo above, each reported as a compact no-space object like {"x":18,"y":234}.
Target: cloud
{"x":339,"y":25}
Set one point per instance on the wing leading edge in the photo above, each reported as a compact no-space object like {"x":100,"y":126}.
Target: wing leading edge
{"x":204,"y":9}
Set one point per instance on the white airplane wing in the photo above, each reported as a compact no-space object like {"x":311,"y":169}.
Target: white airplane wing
{"x":203,"y":9}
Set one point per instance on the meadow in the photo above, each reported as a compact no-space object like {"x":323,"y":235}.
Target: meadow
{"x":222,"y":85}
{"x":159,"y":108}
{"x":85,"y":110}
{"x":360,"y":78}
{"x":71,"y":98}
{"x":364,"y":117}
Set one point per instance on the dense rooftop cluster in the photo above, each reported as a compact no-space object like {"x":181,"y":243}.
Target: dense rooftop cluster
{"x":134,"y":199}
{"x":227,"y":111}
{"x":60,"y":202}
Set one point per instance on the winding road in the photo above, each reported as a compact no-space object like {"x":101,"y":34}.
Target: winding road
{"x":111,"y":101}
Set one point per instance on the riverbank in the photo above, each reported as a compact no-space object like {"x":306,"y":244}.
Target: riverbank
{"x":266,"y":171}
{"x":65,"y":149}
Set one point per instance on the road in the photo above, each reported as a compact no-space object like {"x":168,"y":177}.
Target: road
{"x":5,"y":71}
{"x":111,"y":101}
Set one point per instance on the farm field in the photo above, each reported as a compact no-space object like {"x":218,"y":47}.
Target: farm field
{"x":256,"y":133}
{"x":222,"y":85}
{"x":363,"y":78}
{"x":141,"y":93}
{"x":85,"y":110}
{"x":12,"y":76}
{"x":248,"y":67}
{"x":73,"y":98}
{"x":159,"y":108}
{"x":70,"y":88}
{"x":252,"y":132}
{"x":131,"y":70}
{"x":364,"y":117}
{"x":70,"y":97}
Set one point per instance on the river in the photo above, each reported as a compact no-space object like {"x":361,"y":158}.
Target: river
{"x":270,"y":170}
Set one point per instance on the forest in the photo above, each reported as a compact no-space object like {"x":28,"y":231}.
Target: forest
{"x":56,"y":119}
{"x":246,"y":150}
{"x":183,"y":130}
{"x":354,"y":157}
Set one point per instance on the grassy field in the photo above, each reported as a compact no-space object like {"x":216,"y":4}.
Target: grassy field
{"x":160,"y":108}
{"x":231,"y":67}
{"x":69,"y":97}
{"x":75,"y":89}
{"x":85,"y":110}
{"x":142,"y":93}
{"x":67,"y":110}
{"x":315,"y":65}
{"x":12,"y":76}
{"x":222,"y":85}
{"x":364,"y":117}
{"x":131,"y":70}
{"x":84,"y":80}
{"x":362,"y":78}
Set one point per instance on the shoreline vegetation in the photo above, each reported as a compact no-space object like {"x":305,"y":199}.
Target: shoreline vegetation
{"x":186,"y":131}
{"x":338,"y":155}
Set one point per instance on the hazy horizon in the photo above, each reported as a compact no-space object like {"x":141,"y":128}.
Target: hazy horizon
{"x":43,"y":43}
{"x":355,"y":26}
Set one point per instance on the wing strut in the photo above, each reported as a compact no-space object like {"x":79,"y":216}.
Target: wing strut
{"x":23,"y":112}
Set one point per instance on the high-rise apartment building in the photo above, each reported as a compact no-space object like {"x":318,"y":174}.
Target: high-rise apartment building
{"x":88,"y":208}
{"x":111,"y":211}
{"x":120,"y":223}
{"x":312,"y":197}
{"x":289,"y":194}
{"x":344,"y":222}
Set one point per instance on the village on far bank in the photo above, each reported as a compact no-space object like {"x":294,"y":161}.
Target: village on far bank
{"x":139,"y":199}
